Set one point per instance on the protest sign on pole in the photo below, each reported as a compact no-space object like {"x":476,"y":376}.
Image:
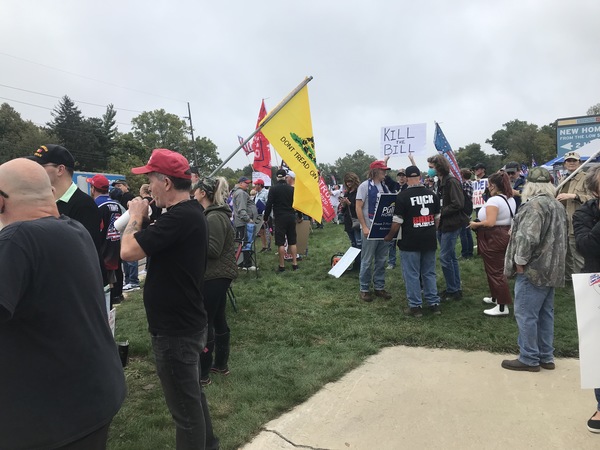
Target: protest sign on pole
{"x":479,"y":187}
{"x":403,"y":140}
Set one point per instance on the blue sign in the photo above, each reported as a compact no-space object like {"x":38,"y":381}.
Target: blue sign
{"x":575,"y":132}
{"x":80,"y":179}
{"x":382,"y":220}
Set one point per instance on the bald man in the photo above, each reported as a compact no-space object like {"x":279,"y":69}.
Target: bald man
{"x":61,"y":381}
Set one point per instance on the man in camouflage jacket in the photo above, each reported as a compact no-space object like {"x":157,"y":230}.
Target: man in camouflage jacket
{"x":536,"y":255}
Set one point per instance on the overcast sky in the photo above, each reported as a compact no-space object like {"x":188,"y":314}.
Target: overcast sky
{"x":470,"y":65}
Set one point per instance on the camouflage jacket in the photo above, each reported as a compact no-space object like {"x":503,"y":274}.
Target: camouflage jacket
{"x":538,"y":241}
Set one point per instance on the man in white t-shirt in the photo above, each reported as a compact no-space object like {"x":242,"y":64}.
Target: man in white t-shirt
{"x":374,"y":252}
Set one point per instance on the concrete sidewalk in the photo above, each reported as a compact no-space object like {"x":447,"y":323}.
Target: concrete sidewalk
{"x":418,"y":398}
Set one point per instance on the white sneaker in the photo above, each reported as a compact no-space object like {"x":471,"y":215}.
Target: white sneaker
{"x":130,"y":287}
{"x":252,"y":268}
{"x":496,"y":311}
{"x":390,"y":267}
{"x":489,"y":300}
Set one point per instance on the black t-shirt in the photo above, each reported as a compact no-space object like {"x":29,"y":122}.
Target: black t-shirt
{"x":177,"y":245}
{"x":418,"y":207}
{"x":60,"y":373}
{"x":83,"y":209}
{"x":280,"y":200}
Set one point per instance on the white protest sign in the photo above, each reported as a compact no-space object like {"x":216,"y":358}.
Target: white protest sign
{"x":587,"y":306}
{"x":403,"y":140}
{"x":479,"y":187}
{"x":344,"y":262}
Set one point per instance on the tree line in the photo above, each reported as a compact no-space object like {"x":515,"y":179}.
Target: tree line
{"x":98,"y":146}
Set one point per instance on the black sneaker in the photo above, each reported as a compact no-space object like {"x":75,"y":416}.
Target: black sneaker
{"x":295,"y":267}
{"x":415,"y":311}
{"x":280,"y":269}
{"x":435,"y":309}
{"x":593,"y":425}
{"x":449,"y":296}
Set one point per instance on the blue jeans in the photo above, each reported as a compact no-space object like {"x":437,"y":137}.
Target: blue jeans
{"x":449,"y":261}
{"x":466,"y":242}
{"x":249,"y":236}
{"x":355,"y":237}
{"x":377,"y":252}
{"x":534,"y":313}
{"x":130,"y":272}
{"x":417,"y":267}
{"x":178,"y":367}
{"x":392,"y":254}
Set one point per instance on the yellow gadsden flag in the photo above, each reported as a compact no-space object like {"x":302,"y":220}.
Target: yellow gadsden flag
{"x":290,"y":132}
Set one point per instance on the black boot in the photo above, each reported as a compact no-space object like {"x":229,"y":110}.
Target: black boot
{"x":221,"y":354}
{"x":206,"y":359}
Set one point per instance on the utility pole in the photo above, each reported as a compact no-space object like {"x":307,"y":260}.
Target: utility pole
{"x":189,"y":117}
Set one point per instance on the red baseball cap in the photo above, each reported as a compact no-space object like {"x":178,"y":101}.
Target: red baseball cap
{"x":378,"y":165}
{"x":259,"y":181}
{"x":99,"y":182}
{"x":166,"y":162}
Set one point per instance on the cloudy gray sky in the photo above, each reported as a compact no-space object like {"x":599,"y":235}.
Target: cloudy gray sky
{"x":471,"y":65}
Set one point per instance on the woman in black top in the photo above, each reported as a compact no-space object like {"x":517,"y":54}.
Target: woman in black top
{"x":351,"y":223}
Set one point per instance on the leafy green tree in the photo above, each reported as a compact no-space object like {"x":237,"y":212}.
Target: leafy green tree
{"x":358,"y":162}
{"x":17,"y":136}
{"x":594,"y":110}
{"x":159,"y":129}
{"x":82,"y":137}
{"x":471,"y":154}
{"x":205,"y":155}
{"x":520,"y":141}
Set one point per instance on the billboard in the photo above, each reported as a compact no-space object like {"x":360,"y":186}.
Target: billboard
{"x":578,"y":134}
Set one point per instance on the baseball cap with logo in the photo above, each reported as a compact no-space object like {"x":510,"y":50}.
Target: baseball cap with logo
{"x":99,"y":182}
{"x":53,"y":154}
{"x":572,"y":155}
{"x":538,"y":175}
{"x":167,"y":162}
{"x":378,"y":165}
{"x":413,"y":171}
{"x":245,"y":180}
{"x":281,"y":173}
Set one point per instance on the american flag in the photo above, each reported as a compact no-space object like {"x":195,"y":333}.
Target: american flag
{"x":442,"y":146}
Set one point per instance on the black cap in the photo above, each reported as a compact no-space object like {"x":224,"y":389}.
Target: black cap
{"x":53,"y":154}
{"x":281,"y":173}
{"x":512,"y":167}
{"x":114,"y":183}
{"x":479,"y":166}
{"x":413,"y":171}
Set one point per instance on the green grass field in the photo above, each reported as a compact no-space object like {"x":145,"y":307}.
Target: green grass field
{"x":296,"y":331}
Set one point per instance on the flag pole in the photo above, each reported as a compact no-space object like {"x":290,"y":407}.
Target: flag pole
{"x":278,"y":108}
{"x":576,"y":171}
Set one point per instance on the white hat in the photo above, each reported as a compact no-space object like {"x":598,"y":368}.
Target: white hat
{"x":291,"y":174}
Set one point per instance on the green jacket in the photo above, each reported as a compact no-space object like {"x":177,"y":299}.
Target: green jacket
{"x":538,"y":241}
{"x":221,"y":245}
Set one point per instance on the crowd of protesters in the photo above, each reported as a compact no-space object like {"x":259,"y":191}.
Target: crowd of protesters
{"x":188,"y":227}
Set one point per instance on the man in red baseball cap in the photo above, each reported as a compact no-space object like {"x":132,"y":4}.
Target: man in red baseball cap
{"x":374,"y":252}
{"x":177,"y":244}
{"x":110,"y":239}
